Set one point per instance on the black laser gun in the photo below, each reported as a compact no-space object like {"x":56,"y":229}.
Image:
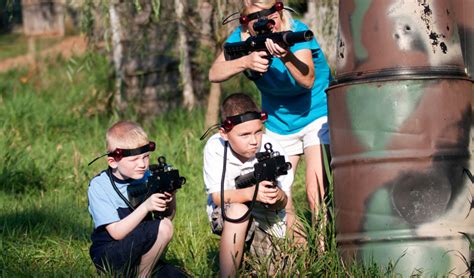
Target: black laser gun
{"x":263,"y":28}
{"x":269,"y":167}
{"x":163,"y":178}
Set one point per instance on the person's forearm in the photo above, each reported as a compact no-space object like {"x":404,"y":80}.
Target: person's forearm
{"x":234,"y":195}
{"x":301,"y":72}
{"x":120,"y":229}
{"x":222,"y":70}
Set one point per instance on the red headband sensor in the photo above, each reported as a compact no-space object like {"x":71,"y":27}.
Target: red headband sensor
{"x":119,"y":153}
{"x":245,"y":19}
{"x":229,"y":123}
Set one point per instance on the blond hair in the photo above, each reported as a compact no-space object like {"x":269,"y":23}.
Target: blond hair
{"x":286,"y":18}
{"x":125,"y":135}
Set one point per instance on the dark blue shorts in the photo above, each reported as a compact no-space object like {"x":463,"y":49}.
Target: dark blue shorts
{"x":123,"y":256}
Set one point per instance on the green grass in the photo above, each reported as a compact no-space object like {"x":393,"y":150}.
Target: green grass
{"x":12,"y":45}
{"x":52,"y":126}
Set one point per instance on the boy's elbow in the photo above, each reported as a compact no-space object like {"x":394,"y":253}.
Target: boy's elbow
{"x":114,"y":232}
{"x":216,"y":198}
{"x":116,"y":235}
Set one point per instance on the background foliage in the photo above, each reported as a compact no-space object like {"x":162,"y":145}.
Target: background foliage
{"x":53,"y":120}
{"x":52,"y":127}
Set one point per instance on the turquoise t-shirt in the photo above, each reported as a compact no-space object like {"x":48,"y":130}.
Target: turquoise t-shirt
{"x":291,"y":107}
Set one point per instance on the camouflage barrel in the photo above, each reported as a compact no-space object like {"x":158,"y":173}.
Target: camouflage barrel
{"x":462,"y":12}
{"x":400,"y":116}
{"x":465,"y":22}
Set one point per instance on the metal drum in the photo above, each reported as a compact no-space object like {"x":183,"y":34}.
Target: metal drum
{"x":400,"y":117}
{"x":465,"y":21}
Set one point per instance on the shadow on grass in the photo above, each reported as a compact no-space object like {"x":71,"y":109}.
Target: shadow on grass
{"x":213,"y":259}
{"x":58,"y":221}
{"x":19,"y":173}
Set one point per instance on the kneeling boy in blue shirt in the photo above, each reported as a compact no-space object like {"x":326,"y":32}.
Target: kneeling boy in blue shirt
{"x":125,"y":237}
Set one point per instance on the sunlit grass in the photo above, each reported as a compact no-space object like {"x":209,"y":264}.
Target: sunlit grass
{"x":53,"y":125}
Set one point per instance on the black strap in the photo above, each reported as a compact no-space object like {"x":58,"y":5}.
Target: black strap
{"x":252,"y":203}
{"x":469,"y":174}
{"x":143,"y":149}
{"x":212,"y":127}
{"x":247,"y":116}
{"x":109,"y":173}
{"x":95,"y":159}
{"x":262,"y":13}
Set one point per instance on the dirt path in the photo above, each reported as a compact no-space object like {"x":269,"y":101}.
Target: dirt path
{"x":66,"y":48}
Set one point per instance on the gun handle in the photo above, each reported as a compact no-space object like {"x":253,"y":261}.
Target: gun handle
{"x":252,"y":75}
{"x":274,"y":184}
{"x":157,"y":214}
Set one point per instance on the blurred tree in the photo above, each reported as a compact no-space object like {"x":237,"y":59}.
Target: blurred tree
{"x":147,"y":40}
{"x":10,"y":15}
{"x":117,"y":53}
{"x":207,"y":41}
{"x":322,"y":17}
{"x":189,"y":100}
{"x":212,"y":12}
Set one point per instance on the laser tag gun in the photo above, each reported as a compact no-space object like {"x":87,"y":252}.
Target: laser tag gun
{"x":269,"y":167}
{"x":163,"y":178}
{"x":263,"y":27}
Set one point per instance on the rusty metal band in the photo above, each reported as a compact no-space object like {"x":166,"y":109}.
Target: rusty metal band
{"x":402,"y":74}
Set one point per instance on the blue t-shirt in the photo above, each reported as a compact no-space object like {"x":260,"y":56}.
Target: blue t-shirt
{"x":291,"y":107}
{"x":105,"y":205}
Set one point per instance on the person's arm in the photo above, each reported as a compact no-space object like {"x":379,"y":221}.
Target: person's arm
{"x":234,"y":195}
{"x":267,"y":193}
{"x":156,"y":202}
{"x":299,"y":64}
{"x":221,"y":70}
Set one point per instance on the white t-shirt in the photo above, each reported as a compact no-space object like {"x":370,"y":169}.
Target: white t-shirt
{"x":271,"y":221}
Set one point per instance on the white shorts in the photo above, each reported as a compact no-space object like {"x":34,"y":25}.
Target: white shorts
{"x":316,"y":133}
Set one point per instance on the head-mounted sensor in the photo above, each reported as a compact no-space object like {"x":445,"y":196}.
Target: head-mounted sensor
{"x":245,"y":19}
{"x":119,"y":153}
{"x":229,"y":122}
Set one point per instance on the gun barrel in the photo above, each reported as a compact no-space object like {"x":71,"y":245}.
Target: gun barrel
{"x":245,"y":180}
{"x":257,"y":43}
{"x":290,"y":38}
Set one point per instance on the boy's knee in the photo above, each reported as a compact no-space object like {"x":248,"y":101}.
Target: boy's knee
{"x":236,"y":210}
{"x":165,"y":231}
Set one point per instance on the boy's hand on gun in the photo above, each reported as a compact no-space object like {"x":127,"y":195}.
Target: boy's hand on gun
{"x":268,"y":193}
{"x":158,"y":201}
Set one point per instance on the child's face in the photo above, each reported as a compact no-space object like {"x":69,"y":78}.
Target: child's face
{"x":245,"y":138}
{"x":133,"y":167}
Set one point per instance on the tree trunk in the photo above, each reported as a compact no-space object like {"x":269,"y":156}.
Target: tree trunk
{"x":206,"y":40}
{"x":212,"y":113}
{"x":205,"y":13}
{"x":189,"y":101}
{"x":322,"y":18}
{"x":208,"y":17}
{"x":117,"y":54}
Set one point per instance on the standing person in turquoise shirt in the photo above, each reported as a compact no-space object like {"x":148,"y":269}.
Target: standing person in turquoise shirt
{"x":292,"y":86}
